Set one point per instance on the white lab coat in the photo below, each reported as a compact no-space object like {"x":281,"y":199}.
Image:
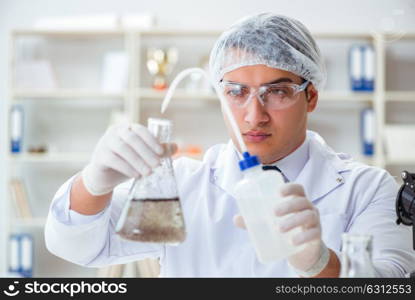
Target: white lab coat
{"x":350,"y":196}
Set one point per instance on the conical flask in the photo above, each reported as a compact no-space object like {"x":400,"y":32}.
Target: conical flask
{"x":152,"y":212}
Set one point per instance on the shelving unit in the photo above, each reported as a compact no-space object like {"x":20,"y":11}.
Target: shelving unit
{"x":402,"y":93}
{"x":62,"y":101}
{"x":334,"y":96}
{"x":400,"y":96}
{"x":35,"y":222}
{"x":65,"y":94}
{"x":50,"y":157}
{"x":138,"y":101}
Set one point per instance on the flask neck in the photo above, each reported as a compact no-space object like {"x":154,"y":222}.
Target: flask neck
{"x":161,"y":129}
{"x":357,"y":256}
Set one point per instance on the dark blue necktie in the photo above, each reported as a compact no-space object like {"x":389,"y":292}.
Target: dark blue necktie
{"x":266,"y":168}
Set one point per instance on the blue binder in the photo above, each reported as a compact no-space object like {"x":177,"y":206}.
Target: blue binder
{"x":367,"y":130}
{"x":16,"y":128}
{"x":21,"y":255}
{"x":362,"y":67}
{"x":368,"y":68}
{"x":356,"y":67}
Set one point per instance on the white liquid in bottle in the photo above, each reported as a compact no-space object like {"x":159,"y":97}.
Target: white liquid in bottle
{"x":257,"y":196}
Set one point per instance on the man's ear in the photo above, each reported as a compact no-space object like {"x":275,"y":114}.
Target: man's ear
{"x":312,"y":98}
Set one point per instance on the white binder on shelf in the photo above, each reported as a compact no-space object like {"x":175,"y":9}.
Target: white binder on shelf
{"x":21,"y":255}
{"x":16,"y":128}
{"x":114,"y":72}
{"x":368,"y":131}
{"x":368,"y":68}
{"x":35,"y":75}
{"x":356,"y":67}
{"x":362,"y":67}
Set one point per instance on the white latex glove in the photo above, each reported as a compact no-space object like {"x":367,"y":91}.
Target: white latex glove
{"x":315,"y":254}
{"x":123,"y":152}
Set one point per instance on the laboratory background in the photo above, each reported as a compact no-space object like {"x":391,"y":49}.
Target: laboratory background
{"x":69,"y":69}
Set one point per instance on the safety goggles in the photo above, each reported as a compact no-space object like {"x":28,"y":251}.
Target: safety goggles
{"x":272,"y":96}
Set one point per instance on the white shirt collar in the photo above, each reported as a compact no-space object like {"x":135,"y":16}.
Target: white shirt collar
{"x":318,"y":161}
{"x":292,"y":164}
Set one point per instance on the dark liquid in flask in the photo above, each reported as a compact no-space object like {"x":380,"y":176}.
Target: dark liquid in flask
{"x":154,"y":220}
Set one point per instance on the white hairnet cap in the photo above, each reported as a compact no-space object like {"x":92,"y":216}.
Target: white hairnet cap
{"x":272,"y":40}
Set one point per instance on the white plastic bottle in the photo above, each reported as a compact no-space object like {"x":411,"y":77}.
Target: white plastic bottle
{"x":257,"y":195}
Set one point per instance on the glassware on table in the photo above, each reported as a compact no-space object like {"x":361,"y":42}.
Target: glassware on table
{"x":356,"y":257}
{"x":152,"y":212}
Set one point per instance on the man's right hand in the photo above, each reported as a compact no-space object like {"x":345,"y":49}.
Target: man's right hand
{"x":123,"y":152}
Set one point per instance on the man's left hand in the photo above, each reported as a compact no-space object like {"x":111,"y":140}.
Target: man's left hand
{"x":303,"y":214}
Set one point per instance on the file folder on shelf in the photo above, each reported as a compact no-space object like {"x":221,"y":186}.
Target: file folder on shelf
{"x":16,"y":127}
{"x":21,"y":255}
{"x":367,"y":124}
{"x":362,"y":67}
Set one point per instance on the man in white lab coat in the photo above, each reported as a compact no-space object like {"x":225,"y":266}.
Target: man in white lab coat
{"x":270,"y":71}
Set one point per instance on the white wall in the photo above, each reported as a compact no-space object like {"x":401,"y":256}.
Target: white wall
{"x":318,"y":15}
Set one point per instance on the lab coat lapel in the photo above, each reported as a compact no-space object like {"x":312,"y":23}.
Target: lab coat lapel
{"x":225,"y":172}
{"x":321,"y":174}
{"x":323,"y":170}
